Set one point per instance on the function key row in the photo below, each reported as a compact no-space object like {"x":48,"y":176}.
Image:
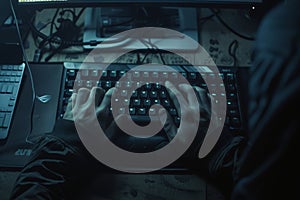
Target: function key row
{"x":12,"y":67}
{"x":11,"y":73}
{"x":11,"y":79}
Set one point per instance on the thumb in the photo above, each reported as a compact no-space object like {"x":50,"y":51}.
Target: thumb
{"x":113,"y":130}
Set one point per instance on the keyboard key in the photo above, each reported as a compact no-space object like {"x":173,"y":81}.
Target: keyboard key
{"x":136,"y":74}
{"x":152,"y":111}
{"x":235,"y":121}
{"x":71,"y":73}
{"x":4,"y":89}
{"x":94,"y":73}
{"x":113,"y":74}
{"x":136,"y":102}
{"x":132,"y":111}
{"x":233,"y":112}
{"x":165,"y":75}
{"x":153,"y":94}
{"x":144,"y":94}
{"x":173,"y":111}
{"x":126,"y":102}
{"x":147,"y":102}
{"x":121,"y":110}
{"x":134,"y":94}
{"x":6,"y":121}
{"x":146,"y":74}
{"x":2,"y":115}
{"x":141,"y":111}
{"x":166,"y":103}
{"x":156,"y":101}
{"x":163,"y":94}
{"x":157,"y":86}
{"x":104,"y":74}
{"x":124,"y":93}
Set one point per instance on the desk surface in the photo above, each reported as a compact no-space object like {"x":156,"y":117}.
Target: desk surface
{"x":168,"y":187}
{"x":165,"y":186}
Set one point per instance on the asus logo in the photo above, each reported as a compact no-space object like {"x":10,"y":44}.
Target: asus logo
{"x":23,"y":152}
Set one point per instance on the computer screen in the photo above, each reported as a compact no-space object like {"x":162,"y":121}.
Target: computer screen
{"x":136,"y":2}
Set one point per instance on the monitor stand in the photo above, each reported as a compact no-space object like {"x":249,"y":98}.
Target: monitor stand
{"x":103,"y":23}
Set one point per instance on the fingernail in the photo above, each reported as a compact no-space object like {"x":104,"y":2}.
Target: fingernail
{"x":162,"y":115}
{"x":162,"y":111}
{"x":167,"y":83}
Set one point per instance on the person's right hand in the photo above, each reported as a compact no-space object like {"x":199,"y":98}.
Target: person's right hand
{"x":188,"y":111}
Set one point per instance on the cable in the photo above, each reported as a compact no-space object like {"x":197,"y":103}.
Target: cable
{"x":151,"y":46}
{"x":29,"y":72}
{"x":206,"y":18}
{"x":78,"y":15}
{"x":53,"y":21}
{"x":229,"y":28}
{"x":232,"y":51}
{"x":145,"y":56}
{"x":47,"y":44}
{"x":227,"y":157}
{"x":74,"y":43}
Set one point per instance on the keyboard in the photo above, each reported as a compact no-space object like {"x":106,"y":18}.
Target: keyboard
{"x":10,"y":81}
{"x":140,"y":101}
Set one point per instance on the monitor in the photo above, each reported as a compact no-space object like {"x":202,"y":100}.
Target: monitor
{"x":57,"y":3}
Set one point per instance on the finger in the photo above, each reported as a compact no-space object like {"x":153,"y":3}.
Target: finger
{"x":73,"y":98}
{"x":204,"y":98}
{"x":103,"y":111}
{"x":96,"y":95}
{"x":68,"y":113}
{"x":106,"y":101}
{"x":168,"y":123}
{"x":176,"y":96}
{"x":205,"y":104}
{"x":190,"y":93}
{"x":82,"y":96}
{"x":99,"y":94}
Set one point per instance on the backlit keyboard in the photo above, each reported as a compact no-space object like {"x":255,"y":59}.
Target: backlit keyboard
{"x":140,"y":101}
{"x":10,"y":81}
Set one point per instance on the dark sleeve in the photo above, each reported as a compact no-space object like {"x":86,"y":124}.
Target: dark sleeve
{"x":58,"y":166}
{"x":269,"y":164}
{"x":62,"y":168}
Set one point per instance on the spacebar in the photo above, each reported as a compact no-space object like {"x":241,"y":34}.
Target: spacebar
{"x":3,"y":133}
{"x":143,"y":120}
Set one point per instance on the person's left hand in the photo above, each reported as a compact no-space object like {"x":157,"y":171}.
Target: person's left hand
{"x":89,"y":108}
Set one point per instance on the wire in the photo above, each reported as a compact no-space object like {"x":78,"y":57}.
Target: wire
{"x":206,"y":18}
{"x":225,"y":159}
{"x":145,"y":56}
{"x":151,"y":46}
{"x":29,"y":71}
{"x":47,"y":44}
{"x":229,"y":28}
{"x":232,"y":51}
{"x":78,"y":15}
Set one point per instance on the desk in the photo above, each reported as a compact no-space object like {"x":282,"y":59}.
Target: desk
{"x":167,"y":186}
{"x":126,"y":186}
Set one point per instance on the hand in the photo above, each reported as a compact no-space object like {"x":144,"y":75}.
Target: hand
{"x":188,"y":109}
{"x":92,"y":107}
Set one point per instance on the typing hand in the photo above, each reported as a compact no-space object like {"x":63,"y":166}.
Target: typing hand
{"x":91,"y":108}
{"x":188,"y":111}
